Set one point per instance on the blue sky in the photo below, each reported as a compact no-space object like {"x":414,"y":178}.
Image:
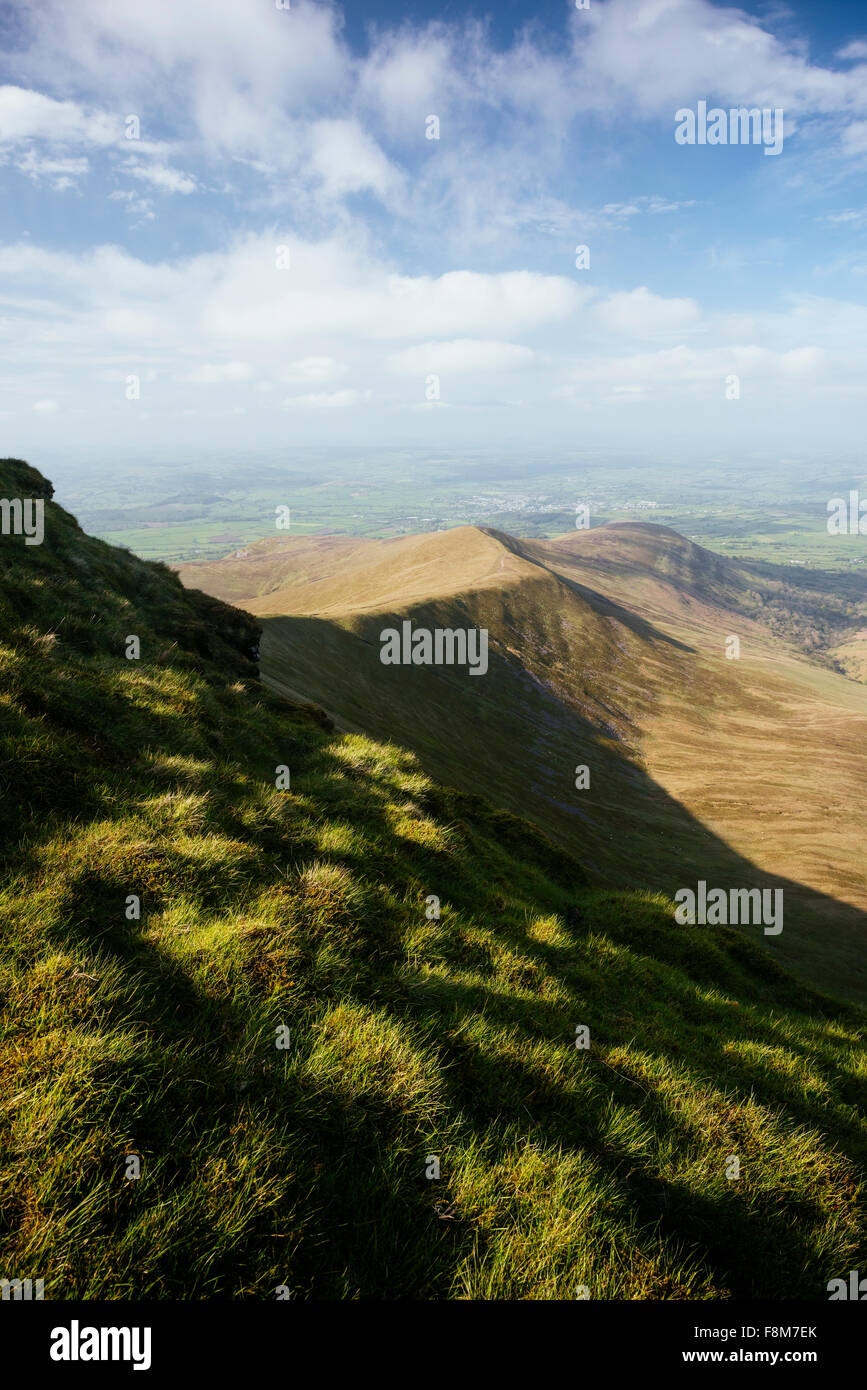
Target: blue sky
{"x":282,"y":255}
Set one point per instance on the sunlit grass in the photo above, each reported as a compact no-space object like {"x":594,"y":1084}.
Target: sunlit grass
{"x":301,"y":918}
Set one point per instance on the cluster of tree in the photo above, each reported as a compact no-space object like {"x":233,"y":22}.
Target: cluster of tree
{"x":815,"y":614}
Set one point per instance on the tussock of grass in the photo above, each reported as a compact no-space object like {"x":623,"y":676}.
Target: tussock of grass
{"x":305,"y":911}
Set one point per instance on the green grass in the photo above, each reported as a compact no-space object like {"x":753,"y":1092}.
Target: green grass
{"x":408,"y":1037}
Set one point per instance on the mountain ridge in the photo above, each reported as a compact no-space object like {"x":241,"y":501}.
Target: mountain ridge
{"x":168,"y":911}
{"x":606,"y":648}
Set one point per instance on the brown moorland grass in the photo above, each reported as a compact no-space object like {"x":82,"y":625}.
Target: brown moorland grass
{"x":607,"y":649}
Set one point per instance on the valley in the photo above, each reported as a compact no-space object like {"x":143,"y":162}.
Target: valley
{"x":607,"y":648}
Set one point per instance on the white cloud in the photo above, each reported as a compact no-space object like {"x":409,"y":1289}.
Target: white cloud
{"x":228,"y":70}
{"x":46,"y":407}
{"x":110,"y":306}
{"x":311,"y":126}
{"x":161,"y":176}
{"x":677,"y":373}
{"x":29,"y":115}
{"x":408,"y":77}
{"x":803,"y":361}
{"x":663,"y":54}
{"x":349,"y":161}
{"x":468,"y":301}
{"x":60,"y":174}
{"x":333,"y":289}
{"x":856,"y":51}
{"x":618,"y":213}
{"x":460,"y":356}
{"x":325,"y":400}
{"x":640,"y":313}
{"x":219,"y":373}
{"x":854,"y":138}
{"x":313,"y":369}
{"x":281,"y":91}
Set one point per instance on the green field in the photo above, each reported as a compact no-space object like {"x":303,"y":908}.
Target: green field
{"x":204,"y":509}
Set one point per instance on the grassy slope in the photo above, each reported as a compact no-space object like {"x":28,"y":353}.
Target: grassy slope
{"x":607,"y":649}
{"x":408,"y":1037}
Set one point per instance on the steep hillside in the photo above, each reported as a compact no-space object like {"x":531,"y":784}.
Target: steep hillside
{"x":817,"y":613}
{"x":302,"y":916}
{"x":607,"y":649}
{"x":642,"y":551}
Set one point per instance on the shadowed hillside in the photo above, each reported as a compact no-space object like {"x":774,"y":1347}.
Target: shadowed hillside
{"x":607,"y":649}
{"x":303,"y":916}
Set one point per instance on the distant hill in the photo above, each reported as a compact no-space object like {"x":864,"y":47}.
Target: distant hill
{"x":607,"y":649}
{"x":171,"y":911}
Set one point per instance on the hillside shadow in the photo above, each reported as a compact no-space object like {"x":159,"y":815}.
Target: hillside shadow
{"x":720,"y":580}
{"x":609,"y":609}
{"x":600,"y":602}
{"x":374,"y":1228}
{"x":513,"y":740}
{"x":756,"y":1243}
{"x":255,"y":1161}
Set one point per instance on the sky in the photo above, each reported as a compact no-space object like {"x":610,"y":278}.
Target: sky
{"x":243,"y":223}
